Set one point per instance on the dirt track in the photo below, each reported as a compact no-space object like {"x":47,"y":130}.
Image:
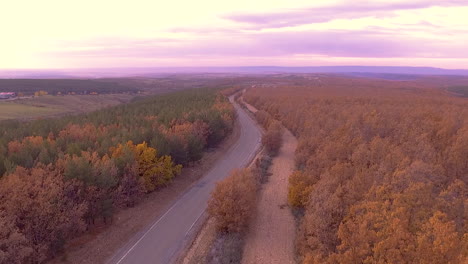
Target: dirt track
{"x":271,"y":237}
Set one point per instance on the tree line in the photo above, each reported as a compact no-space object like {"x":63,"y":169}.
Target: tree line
{"x":381,"y":174}
{"x":62,"y":175}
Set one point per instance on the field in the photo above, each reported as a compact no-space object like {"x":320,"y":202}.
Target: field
{"x":49,"y":105}
{"x":111,"y":92}
{"x":13,"y":110}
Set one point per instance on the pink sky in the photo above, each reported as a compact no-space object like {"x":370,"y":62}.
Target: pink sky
{"x":147,"y":33}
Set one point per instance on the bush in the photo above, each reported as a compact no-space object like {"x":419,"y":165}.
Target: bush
{"x":263,"y":118}
{"x":226,"y":249}
{"x":233,"y":200}
{"x":299,"y":189}
{"x":261,"y":167}
{"x":272,"y":140}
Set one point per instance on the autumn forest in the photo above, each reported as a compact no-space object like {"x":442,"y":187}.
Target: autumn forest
{"x":62,"y":175}
{"x":379,"y":175}
{"x":381,"y":170}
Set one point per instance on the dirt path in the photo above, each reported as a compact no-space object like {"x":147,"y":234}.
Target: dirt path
{"x":271,"y":238}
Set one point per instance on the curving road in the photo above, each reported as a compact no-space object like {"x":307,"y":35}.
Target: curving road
{"x":166,"y":236}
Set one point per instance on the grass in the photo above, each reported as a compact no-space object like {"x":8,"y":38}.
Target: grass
{"x":11,"y":110}
{"x":47,"y":106}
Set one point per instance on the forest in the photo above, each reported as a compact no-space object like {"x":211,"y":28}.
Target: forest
{"x":58,"y":177}
{"x":381,"y":169}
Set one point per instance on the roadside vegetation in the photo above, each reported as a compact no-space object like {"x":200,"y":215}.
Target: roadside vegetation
{"x":232,"y":205}
{"x":381,"y":171}
{"x":233,"y":202}
{"x":62,"y":176}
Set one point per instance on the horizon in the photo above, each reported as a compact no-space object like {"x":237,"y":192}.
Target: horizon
{"x":234,"y":66}
{"x":239,"y":70}
{"x":57,"y":35}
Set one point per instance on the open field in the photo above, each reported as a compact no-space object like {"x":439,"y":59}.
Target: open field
{"x":49,"y":105}
{"x":13,"y":110}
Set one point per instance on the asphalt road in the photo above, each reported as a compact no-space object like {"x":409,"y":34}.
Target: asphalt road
{"x":158,"y":243}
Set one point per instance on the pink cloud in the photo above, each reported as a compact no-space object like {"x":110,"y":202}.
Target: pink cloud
{"x":294,"y":17}
{"x":333,"y":43}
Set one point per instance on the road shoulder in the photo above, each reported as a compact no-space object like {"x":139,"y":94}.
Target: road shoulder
{"x":104,"y":240}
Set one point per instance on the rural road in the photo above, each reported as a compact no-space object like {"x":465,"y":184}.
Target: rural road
{"x":165,"y":237}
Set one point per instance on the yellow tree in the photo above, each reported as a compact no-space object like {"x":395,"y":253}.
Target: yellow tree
{"x":153,"y":170}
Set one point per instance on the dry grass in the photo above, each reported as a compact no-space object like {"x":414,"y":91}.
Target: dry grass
{"x":50,"y":106}
{"x":13,"y":110}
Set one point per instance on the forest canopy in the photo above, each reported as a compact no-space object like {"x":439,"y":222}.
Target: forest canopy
{"x":61,"y":175}
{"x":382,"y":173}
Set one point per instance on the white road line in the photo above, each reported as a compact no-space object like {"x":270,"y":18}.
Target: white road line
{"x":181,"y":198}
{"x":136,"y":243}
{"x":196,"y":220}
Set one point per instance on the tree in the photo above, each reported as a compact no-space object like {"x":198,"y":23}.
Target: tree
{"x":300,"y":187}
{"x":233,"y":201}
{"x":439,"y":241}
{"x":14,"y":246}
{"x":155,"y":171}
{"x":36,"y":200}
{"x":272,"y":139}
{"x":382,"y":170}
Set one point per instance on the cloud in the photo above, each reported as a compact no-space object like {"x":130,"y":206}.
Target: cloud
{"x":331,"y":43}
{"x":211,"y":30}
{"x":295,"y":17}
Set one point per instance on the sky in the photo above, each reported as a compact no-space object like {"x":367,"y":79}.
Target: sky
{"x":54,"y":34}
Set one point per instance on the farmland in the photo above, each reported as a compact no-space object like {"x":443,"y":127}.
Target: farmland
{"x":11,"y":110}
{"x":49,"y":105}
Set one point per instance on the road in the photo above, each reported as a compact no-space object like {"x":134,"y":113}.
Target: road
{"x":160,"y":241}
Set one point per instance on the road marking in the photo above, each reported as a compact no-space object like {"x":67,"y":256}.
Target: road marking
{"x":196,"y":220}
{"x":143,"y":236}
{"x":243,"y":163}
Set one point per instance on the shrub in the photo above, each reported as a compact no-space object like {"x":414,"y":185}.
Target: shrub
{"x":300,"y":187}
{"x":233,"y":200}
{"x":227,"y":249}
{"x":272,"y":140}
{"x":261,"y":167}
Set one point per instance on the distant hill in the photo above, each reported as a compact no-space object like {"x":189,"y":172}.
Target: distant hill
{"x":357,"y":69}
{"x":363,"y":71}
